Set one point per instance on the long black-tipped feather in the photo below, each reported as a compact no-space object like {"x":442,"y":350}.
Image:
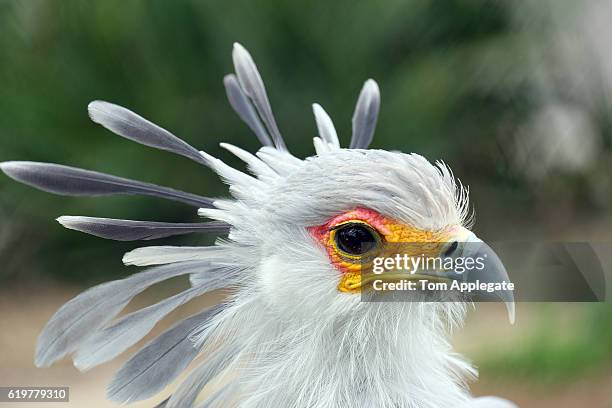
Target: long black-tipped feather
{"x":113,"y":340}
{"x":243,"y":107}
{"x":132,"y":126}
{"x":65,"y":180}
{"x":128,"y":230}
{"x":365,"y":115}
{"x":159,"y":362}
{"x":253,"y":86}
{"x":82,"y":316}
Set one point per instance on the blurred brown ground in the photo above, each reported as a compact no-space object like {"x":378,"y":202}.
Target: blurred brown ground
{"x":26,"y":309}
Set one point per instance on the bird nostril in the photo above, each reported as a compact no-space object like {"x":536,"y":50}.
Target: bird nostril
{"x":451,"y":249}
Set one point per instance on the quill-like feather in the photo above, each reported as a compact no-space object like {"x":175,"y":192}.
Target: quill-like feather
{"x":325,"y":126}
{"x":281,"y":162}
{"x":256,"y":166}
{"x":365,"y":115}
{"x":230,"y":174}
{"x":65,"y":180}
{"x":320,"y":146}
{"x":243,"y":107}
{"x":128,"y":230}
{"x":253,"y":86}
{"x":108,"y":343}
{"x":204,"y":277}
{"x":128,"y":124}
{"x":159,"y":362}
{"x":82,"y":316}
{"x":159,"y":255}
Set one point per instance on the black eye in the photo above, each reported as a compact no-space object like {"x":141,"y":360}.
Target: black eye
{"x":355,"y":239}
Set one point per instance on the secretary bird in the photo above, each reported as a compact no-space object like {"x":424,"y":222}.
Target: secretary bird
{"x":296,"y":330}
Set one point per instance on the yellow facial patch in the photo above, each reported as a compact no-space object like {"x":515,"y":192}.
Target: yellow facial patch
{"x":363,"y":221}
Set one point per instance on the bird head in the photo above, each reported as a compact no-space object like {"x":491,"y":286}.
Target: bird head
{"x":314,"y":224}
{"x":317,"y":227}
{"x":296,"y":240}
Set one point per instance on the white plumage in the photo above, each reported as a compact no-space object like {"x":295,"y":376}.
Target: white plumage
{"x":287,"y":335}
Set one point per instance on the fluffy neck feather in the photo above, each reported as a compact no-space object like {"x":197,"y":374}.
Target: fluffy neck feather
{"x":381,"y":354}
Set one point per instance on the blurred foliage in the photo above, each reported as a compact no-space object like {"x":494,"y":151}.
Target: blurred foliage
{"x":455,"y":78}
{"x":555,"y":355}
{"x":166,"y":60}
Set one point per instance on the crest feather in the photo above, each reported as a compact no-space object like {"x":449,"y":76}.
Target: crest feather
{"x":252,"y":85}
{"x":365,"y":115}
{"x":129,"y":230}
{"x":130,"y":125}
{"x":325,"y":126}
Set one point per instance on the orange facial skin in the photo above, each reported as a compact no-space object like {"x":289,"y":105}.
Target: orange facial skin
{"x":389,"y":230}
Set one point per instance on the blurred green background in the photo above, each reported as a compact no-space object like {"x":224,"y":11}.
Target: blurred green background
{"x":516,"y":97}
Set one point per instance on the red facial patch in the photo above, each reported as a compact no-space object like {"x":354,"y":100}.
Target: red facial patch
{"x":322,"y":233}
{"x":371,"y":217}
{"x":389,"y":230}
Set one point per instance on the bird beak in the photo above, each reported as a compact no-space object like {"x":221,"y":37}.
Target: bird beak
{"x":463,"y":245}
{"x":469,"y":246}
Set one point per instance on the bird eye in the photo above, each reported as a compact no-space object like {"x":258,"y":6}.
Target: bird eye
{"x":356,"y":238}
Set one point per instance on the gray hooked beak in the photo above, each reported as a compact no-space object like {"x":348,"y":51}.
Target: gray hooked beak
{"x":467,"y":245}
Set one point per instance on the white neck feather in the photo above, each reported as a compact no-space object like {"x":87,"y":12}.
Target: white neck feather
{"x":386,"y":355}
